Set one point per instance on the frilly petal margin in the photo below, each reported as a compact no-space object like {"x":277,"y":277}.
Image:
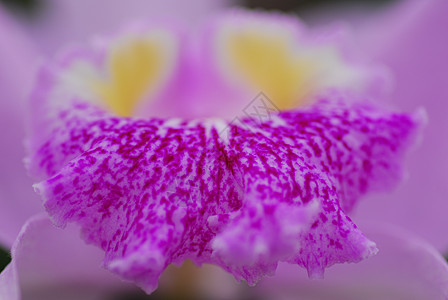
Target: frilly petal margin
{"x":50,"y":263}
{"x":406,"y":268}
{"x":151,"y":192}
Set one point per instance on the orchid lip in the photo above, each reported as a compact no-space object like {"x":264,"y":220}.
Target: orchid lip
{"x":269,"y":185}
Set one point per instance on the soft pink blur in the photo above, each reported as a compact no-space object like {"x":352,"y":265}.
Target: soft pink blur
{"x":51,"y":263}
{"x":412,"y":40}
{"x":406,"y":268}
{"x":76,"y":21}
{"x":17,"y":199}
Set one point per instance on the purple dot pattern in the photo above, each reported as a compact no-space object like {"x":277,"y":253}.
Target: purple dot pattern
{"x":151,"y":192}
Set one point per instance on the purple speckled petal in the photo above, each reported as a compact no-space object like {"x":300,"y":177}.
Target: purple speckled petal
{"x":332,"y":152}
{"x":243,"y":195}
{"x":67,"y":83}
{"x":153,"y":191}
{"x":410,"y":38}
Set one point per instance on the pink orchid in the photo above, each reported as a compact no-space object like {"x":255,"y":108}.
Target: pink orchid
{"x":239,"y":194}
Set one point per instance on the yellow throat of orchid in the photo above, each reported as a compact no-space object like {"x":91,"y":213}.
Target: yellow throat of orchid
{"x":270,"y":64}
{"x":278,"y":63}
{"x":257,"y":57}
{"x":134,"y":67}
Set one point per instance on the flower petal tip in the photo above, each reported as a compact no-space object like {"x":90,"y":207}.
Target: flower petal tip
{"x":263,"y":234}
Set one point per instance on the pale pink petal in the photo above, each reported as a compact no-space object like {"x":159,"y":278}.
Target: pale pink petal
{"x":73,"y":21}
{"x":17,"y":66}
{"x":414,"y":45}
{"x":50,"y":263}
{"x":406,"y":268}
{"x":9,"y":285}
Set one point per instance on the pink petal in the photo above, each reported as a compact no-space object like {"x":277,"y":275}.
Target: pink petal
{"x":151,"y":192}
{"x":17,"y":200}
{"x":416,"y":50}
{"x":9,"y":286}
{"x":243,"y":195}
{"x":406,"y":268}
{"x":66,"y":22}
{"x":50,"y":263}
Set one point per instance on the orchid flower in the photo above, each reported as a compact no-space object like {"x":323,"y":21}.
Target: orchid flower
{"x":239,"y":194}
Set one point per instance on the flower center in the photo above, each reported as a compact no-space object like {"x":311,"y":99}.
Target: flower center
{"x":139,"y":68}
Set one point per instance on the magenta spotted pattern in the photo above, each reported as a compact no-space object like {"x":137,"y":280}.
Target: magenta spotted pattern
{"x":156,"y":191}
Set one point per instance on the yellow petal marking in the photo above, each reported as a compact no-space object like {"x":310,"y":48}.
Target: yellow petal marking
{"x":271,"y":65}
{"x":134,"y":69}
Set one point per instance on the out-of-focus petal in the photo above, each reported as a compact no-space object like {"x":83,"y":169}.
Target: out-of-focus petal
{"x":63,"y":22}
{"x":415,"y":46}
{"x":17,"y":61}
{"x":405,"y":268}
{"x":50,"y":263}
{"x":9,"y":286}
